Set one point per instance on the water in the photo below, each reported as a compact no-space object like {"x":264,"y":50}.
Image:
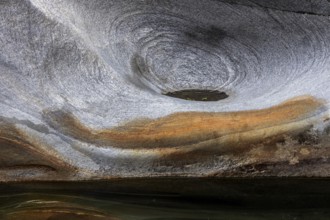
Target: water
{"x":165,"y":198}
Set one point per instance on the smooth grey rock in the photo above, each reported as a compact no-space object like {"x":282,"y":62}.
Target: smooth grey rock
{"x":72,"y":69}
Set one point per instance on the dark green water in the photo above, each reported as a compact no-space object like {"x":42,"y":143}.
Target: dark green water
{"x":169,"y":199}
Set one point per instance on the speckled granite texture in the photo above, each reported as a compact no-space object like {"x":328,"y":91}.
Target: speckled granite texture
{"x":82,"y":84}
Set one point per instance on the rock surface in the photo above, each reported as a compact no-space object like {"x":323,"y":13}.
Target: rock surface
{"x":83,"y":82}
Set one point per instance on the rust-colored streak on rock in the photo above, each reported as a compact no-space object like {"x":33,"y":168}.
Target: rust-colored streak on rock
{"x":19,"y":153}
{"x":197,"y":130}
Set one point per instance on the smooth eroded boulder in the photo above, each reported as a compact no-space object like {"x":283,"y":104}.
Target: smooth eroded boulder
{"x":86,"y":89}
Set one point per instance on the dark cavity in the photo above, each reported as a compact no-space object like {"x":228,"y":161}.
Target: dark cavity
{"x":198,"y":95}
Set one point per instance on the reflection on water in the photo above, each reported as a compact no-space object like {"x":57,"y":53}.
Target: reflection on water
{"x":176,"y":199}
{"x":51,"y":208}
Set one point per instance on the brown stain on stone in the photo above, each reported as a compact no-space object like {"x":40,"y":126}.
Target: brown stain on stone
{"x":21,"y":153}
{"x":187,"y":131}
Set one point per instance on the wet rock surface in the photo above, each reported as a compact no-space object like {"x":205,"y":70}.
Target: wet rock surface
{"x":83,"y":89}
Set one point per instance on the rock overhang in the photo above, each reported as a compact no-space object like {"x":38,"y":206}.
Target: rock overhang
{"x":83,"y":88}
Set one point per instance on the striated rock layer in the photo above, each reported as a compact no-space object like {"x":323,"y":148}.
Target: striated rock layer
{"x":82,"y":89}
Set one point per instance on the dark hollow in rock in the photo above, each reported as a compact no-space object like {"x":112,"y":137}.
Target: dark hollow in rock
{"x":198,"y":95}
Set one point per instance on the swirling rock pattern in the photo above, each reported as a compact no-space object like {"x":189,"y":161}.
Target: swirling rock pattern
{"x":83,"y":84}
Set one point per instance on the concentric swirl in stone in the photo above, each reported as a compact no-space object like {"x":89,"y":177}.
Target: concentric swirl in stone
{"x":71,"y":70}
